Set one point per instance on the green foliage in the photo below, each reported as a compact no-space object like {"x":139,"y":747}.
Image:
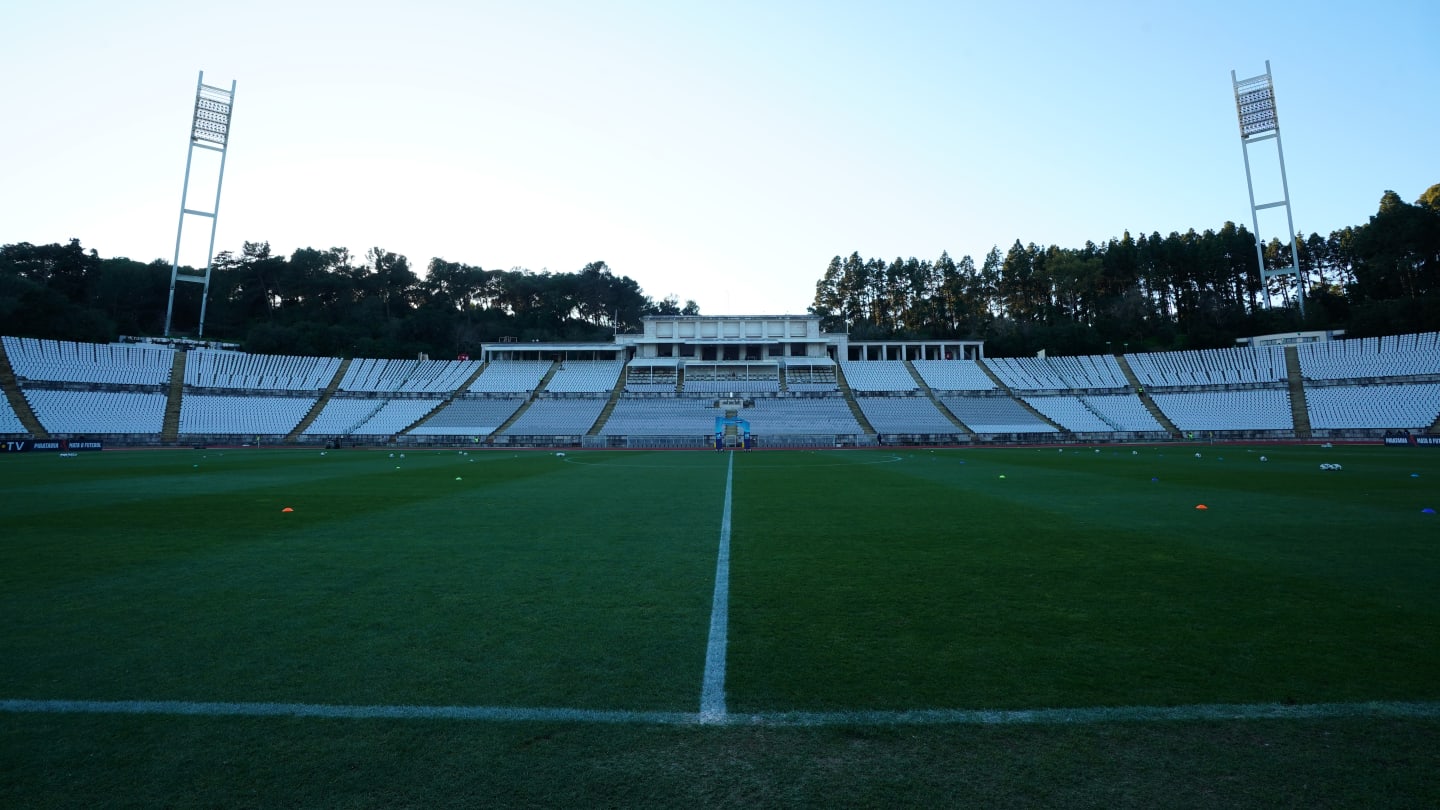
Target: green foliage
{"x":317,"y":302}
{"x":1184,"y":290}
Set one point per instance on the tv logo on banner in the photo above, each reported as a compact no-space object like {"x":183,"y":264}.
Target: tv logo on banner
{"x":49,"y":445}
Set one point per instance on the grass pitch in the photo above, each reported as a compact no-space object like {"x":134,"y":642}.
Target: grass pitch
{"x":866,"y":581}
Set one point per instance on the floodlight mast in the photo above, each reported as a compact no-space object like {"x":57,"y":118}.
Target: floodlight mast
{"x":1255,"y":105}
{"x":210,"y":129}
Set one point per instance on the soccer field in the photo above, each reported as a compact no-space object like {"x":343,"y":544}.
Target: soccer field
{"x":650,"y":627}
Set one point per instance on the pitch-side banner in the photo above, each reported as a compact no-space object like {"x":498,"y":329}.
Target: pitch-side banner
{"x":1415,"y":441}
{"x":49,"y":445}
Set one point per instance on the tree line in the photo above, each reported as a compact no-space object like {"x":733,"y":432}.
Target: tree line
{"x":1190,"y":290}
{"x":317,"y":302}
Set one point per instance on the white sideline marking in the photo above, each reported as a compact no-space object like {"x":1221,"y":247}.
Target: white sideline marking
{"x":1421,"y":710}
{"x":712,"y":689}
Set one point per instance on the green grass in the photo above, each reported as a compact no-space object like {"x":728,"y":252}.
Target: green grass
{"x":859,"y":581}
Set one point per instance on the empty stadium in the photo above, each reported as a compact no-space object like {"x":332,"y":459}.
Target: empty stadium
{"x":690,"y":382}
{"x":934,"y":566}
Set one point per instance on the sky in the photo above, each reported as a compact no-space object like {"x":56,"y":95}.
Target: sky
{"x":718,"y":152}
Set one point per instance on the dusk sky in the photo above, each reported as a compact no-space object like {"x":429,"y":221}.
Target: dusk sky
{"x":719,"y":152}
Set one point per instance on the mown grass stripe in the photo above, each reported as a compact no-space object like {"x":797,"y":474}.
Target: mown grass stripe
{"x":1415,"y":710}
{"x":712,"y":690}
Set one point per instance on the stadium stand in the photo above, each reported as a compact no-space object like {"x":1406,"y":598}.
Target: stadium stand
{"x":1096,"y":413}
{"x":878,"y":375}
{"x":663,"y":416}
{"x":720,"y":379}
{"x":806,"y":416}
{"x":242,"y":415}
{"x":1338,"y":407}
{"x":1209,"y":367}
{"x":1370,"y":358}
{"x":9,"y":421}
{"x":597,"y":377}
{"x":479,"y":416}
{"x":911,"y":415}
{"x":511,"y":377}
{"x":1351,"y":388}
{"x":369,"y":417}
{"x":558,"y":416}
{"x":96,"y":363}
{"x":1058,"y":373}
{"x":1125,"y":411}
{"x":990,"y":414}
{"x":954,"y":375}
{"x":417,"y":376}
{"x":652,"y":379}
{"x":214,"y":368}
{"x":803,"y":374}
{"x":1070,"y":413}
{"x":93,"y":412}
{"x":1250,"y":409}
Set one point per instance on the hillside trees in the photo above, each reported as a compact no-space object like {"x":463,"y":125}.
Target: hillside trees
{"x":318,"y":302}
{"x":1183,"y":290}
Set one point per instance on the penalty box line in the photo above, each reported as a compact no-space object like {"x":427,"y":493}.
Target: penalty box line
{"x":1418,"y":710}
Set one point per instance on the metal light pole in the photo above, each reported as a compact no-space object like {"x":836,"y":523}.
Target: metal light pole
{"x":1255,"y":105}
{"x":210,"y":130}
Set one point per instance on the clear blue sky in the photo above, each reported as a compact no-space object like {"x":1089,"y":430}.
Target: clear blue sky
{"x":718,"y":151}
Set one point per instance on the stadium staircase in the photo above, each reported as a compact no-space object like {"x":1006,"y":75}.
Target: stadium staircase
{"x":1299,"y":409}
{"x":320,"y":402}
{"x":1434,"y":426}
{"x":170,"y":428}
{"x":1145,"y":398}
{"x":930,"y":392}
{"x":679,"y":379}
{"x":449,"y":398}
{"x":999,"y":383}
{"x":520,"y":411}
{"x":18,"y":403}
{"x":845,"y":391}
{"x":732,"y":432}
{"x":610,"y":405}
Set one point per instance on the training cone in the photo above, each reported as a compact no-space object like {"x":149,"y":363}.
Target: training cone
{"x":1427,"y":511}
{"x":1201,"y":506}
{"x":1002,"y":476}
{"x":287,"y":509}
{"x":457,"y":478}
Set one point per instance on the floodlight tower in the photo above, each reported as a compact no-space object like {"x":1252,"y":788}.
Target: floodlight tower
{"x":210,"y":130}
{"x":1255,"y":104}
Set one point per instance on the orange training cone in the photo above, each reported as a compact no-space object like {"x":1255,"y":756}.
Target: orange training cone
{"x":1201,"y":506}
{"x":287,"y":509}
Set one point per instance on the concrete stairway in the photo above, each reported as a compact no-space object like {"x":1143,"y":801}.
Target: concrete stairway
{"x":930,"y":392}
{"x":1145,"y":398}
{"x":845,"y":390}
{"x":294,"y":435}
{"x":170,"y":429}
{"x":520,"y":411}
{"x":449,"y":400}
{"x":610,"y":405}
{"x":1299,"y":409}
{"x":18,"y":403}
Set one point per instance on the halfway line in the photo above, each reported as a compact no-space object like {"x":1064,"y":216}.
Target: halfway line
{"x":712,"y":690}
